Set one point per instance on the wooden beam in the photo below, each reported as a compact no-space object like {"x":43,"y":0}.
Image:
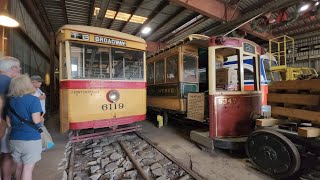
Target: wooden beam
{"x":300,"y":99}
{"x":92,"y":2}
{"x":309,"y":132}
{"x":117,"y":10}
{"x":64,"y":11}
{"x":136,"y":7}
{"x":166,"y":20}
{"x":311,"y":116}
{"x":267,"y":122}
{"x":313,"y":84}
{"x":153,"y":14}
{"x":102,"y":12}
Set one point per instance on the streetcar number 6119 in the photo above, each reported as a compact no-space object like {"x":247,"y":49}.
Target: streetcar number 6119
{"x":114,"y":106}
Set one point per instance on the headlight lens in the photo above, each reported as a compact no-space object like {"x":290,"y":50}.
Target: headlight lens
{"x":113,"y":96}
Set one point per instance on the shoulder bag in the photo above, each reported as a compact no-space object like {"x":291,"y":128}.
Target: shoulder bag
{"x":47,"y":142}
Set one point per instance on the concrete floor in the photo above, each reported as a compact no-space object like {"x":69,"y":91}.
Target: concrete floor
{"x":47,"y":167}
{"x":219,"y":164}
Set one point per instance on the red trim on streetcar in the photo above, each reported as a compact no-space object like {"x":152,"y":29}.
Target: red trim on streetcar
{"x":107,"y":122}
{"x":94,"y":84}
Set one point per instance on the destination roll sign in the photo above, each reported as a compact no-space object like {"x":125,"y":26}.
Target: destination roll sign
{"x":109,"y":41}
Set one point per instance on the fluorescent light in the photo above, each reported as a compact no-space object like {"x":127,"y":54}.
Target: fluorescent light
{"x":8,"y":21}
{"x":146,"y":30}
{"x":304,"y":7}
{"x":317,"y":3}
{"x":121,"y":16}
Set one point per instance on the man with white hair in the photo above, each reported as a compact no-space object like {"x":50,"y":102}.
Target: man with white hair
{"x":9,"y":68}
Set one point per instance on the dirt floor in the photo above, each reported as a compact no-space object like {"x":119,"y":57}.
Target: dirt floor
{"x":221,"y":165}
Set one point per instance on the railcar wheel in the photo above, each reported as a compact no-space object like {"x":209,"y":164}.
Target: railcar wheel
{"x":273,"y":153}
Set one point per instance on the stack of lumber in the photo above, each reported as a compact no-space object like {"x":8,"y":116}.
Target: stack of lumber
{"x":297,"y":101}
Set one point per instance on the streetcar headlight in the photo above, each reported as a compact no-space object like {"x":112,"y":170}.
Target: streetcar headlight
{"x":113,"y":96}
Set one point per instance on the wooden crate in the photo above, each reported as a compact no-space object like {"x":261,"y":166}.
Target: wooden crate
{"x":297,"y":101}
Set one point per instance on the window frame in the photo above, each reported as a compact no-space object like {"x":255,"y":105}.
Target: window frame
{"x":183,"y":79}
{"x":178,"y":68}
{"x":148,"y":69}
{"x":155,"y":71}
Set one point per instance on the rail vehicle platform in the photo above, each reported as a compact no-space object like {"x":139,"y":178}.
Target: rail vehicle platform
{"x":201,"y":136}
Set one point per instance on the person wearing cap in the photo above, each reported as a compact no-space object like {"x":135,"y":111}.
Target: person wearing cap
{"x":37,"y":82}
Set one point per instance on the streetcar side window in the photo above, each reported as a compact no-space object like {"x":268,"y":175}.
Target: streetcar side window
{"x":150,"y":70}
{"x":160,"y":71}
{"x":189,"y":68}
{"x":172,"y":68}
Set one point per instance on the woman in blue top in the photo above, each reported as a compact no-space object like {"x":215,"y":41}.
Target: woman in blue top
{"x":25,"y":141}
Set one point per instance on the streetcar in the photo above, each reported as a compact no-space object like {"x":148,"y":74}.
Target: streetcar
{"x":102,"y":78}
{"x":216,"y":95}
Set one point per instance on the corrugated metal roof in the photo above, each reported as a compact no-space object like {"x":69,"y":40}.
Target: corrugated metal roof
{"x":78,"y":12}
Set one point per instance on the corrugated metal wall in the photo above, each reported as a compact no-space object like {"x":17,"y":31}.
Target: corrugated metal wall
{"x":307,"y":53}
{"x":32,"y":61}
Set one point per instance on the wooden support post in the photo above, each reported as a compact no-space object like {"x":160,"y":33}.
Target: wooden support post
{"x":52,"y":68}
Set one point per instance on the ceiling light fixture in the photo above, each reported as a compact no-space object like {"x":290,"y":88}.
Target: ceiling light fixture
{"x":6,"y":19}
{"x":317,"y":3}
{"x":146,"y":30}
{"x":304,"y":7}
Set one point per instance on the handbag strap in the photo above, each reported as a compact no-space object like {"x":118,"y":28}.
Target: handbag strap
{"x":29,"y":123}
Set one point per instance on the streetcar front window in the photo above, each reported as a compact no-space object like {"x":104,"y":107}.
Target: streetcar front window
{"x":95,"y":62}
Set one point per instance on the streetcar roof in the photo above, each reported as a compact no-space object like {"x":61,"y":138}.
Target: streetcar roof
{"x":198,"y":39}
{"x":102,"y":31}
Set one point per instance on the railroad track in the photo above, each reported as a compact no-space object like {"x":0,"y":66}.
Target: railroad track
{"x":126,"y":156}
